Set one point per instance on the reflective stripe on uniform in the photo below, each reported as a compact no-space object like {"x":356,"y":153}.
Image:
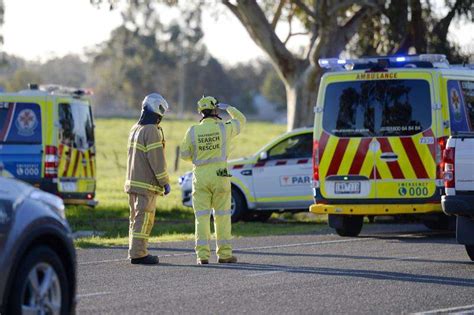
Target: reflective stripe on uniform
{"x":223,"y":242}
{"x":223,"y":156}
{"x":147,"y":148}
{"x":154,"y":146}
{"x":145,"y":223}
{"x":237,"y":125}
{"x":141,"y":235}
{"x":161,"y":175}
{"x":202,"y":242}
{"x":222,"y":212}
{"x":202,"y":212}
{"x":134,"y":183}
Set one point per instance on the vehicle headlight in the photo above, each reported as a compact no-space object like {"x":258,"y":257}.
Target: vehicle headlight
{"x":51,"y":200}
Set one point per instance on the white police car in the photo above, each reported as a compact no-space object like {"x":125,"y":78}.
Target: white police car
{"x":276,"y":178}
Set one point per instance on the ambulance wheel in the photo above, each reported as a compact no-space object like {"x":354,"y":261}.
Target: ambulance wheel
{"x":351,"y":225}
{"x":238,"y":206}
{"x":470,"y":251}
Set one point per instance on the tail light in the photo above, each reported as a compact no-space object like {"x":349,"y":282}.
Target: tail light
{"x":315,"y":160}
{"x":439,"y":157}
{"x":448,"y":161}
{"x":51,"y":162}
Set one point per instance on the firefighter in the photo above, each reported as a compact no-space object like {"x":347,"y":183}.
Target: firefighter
{"x":146,"y":176}
{"x":207,"y":146}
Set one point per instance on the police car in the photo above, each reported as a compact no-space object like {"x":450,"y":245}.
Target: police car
{"x":276,"y":178}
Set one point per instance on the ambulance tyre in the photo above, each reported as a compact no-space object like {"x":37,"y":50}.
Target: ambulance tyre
{"x":351,"y":225}
{"x":470,"y":251}
{"x":238,"y":205}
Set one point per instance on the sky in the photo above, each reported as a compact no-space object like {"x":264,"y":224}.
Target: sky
{"x":54,"y":28}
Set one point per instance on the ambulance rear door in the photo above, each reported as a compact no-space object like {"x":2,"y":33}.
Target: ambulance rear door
{"x":404,"y":126}
{"x":21,"y":138}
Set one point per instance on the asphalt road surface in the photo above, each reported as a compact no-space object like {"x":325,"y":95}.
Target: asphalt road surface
{"x":396,"y":269}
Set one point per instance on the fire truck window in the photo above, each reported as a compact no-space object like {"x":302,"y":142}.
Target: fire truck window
{"x":296,"y":147}
{"x":377,"y":108}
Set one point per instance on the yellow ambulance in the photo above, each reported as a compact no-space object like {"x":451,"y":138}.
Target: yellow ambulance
{"x":380,"y":127}
{"x":47,"y":140}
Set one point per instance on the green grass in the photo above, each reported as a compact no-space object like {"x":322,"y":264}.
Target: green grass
{"x":174,"y":221}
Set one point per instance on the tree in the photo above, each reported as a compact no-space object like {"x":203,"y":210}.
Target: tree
{"x":333,"y":27}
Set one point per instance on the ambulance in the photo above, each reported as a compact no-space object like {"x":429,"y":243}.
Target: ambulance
{"x":380,"y":128}
{"x":47,"y":140}
{"x":276,"y":178}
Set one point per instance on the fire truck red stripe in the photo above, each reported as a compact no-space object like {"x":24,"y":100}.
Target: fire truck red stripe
{"x":393,"y":166}
{"x":323,"y":140}
{"x":338,"y":155}
{"x":414,"y":157}
{"x":359,"y":157}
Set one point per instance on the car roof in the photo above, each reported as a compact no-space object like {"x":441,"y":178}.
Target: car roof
{"x":12,"y":189}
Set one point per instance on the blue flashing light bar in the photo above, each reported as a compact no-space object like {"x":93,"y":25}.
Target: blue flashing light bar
{"x":437,"y":60}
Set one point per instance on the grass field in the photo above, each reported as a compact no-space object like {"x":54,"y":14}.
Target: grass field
{"x":175,"y":222}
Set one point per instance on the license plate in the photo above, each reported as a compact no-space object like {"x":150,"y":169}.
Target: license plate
{"x":347,"y":188}
{"x":68,"y":186}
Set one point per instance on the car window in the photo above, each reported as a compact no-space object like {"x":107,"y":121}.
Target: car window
{"x":20,"y":123}
{"x":461,"y":105}
{"x":377,"y":108}
{"x":76,"y":125}
{"x":295,"y":147}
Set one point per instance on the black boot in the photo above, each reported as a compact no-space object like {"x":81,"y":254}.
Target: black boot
{"x":147,"y":260}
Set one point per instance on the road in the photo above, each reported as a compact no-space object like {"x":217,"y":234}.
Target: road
{"x":395,"y":269}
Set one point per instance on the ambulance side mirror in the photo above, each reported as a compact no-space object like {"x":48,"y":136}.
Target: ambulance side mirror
{"x":263,"y":156}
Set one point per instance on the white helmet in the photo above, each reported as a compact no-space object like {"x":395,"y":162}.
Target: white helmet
{"x":156,"y":103}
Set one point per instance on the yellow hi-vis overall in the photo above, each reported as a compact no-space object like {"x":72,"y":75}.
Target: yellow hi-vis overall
{"x":207,"y":146}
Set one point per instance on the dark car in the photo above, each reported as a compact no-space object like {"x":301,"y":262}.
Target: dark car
{"x":37,"y":255}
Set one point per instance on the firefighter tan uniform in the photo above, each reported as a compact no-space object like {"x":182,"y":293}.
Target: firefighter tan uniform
{"x":207,"y":146}
{"x":146,"y":178}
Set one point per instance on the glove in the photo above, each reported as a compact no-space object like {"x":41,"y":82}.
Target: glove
{"x":167,"y":189}
{"x":223,"y":106}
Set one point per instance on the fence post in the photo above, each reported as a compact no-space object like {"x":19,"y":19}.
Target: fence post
{"x":176,"y":159}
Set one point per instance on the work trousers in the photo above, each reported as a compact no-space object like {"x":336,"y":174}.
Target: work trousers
{"x":212,"y":194}
{"x":142,"y":218}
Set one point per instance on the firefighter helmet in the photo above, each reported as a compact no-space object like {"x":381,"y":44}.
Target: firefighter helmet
{"x":156,"y":103}
{"x":207,"y":102}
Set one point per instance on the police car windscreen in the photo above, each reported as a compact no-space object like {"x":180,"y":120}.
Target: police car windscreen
{"x":20,"y":123}
{"x":377,"y":108}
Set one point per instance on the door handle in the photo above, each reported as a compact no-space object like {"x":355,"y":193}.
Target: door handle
{"x":389,"y":156}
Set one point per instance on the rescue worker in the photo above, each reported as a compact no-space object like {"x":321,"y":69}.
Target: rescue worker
{"x":146,"y":176}
{"x":207,"y":146}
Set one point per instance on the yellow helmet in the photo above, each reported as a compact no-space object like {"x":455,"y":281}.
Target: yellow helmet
{"x":207,"y":102}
